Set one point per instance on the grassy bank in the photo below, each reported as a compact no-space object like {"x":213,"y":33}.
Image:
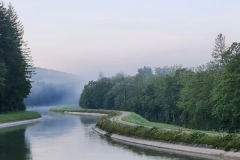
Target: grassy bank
{"x":190,"y":137}
{"x":137,"y":119}
{"x":62,"y":109}
{"x":162,"y":132}
{"x":18,"y":116}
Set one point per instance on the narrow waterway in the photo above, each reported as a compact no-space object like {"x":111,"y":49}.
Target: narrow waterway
{"x":68,"y":137}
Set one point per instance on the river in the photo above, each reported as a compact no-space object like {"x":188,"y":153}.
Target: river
{"x":68,"y":137}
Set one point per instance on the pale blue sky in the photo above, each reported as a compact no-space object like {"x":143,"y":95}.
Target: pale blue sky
{"x":88,"y":36}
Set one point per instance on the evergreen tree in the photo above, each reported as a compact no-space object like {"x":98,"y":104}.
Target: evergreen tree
{"x":203,"y":97}
{"x":16,"y":59}
{"x":2,"y":79}
{"x":218,"y":51}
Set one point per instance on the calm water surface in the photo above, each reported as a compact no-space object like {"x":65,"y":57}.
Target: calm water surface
{"x":68,"y":137}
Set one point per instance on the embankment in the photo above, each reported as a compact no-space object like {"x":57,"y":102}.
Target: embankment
{"x":207,"y":153}
{"x":193,"y":143}
{"x":18,"y":118}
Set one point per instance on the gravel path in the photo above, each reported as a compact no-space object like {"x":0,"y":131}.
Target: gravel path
{"x":118,"y":119}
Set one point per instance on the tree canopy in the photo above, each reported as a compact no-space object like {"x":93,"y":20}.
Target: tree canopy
{"x":15,"y":61}
{"x":226,"y":93}
{"x":205,"y":97}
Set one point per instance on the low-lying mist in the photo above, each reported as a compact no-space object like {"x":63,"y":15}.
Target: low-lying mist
{"x":52,"y":87}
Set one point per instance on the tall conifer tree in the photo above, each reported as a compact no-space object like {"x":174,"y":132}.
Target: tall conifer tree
{"x":16,"y":59}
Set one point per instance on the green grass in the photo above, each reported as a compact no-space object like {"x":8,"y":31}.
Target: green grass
{"x":192,"y":137}
{"x":137,"y":119}
{"x":18,"y":116}
{"x":160,"y":131}
{"x":71,"y":109}
{"x":64,"y":109}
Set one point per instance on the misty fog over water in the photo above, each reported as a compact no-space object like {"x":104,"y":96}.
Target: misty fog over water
{"x":52,"y":87}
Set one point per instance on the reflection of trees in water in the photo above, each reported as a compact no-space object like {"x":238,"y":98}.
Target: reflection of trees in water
{"x":88,"y":120}
{"x":13,"y":145}
{"x":150,"y":152}
{"x":53,"y":126}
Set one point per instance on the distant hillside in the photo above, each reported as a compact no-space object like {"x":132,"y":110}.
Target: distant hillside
{"x":52,"y":87}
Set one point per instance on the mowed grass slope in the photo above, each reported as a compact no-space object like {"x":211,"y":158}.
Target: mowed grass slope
{"x":160,"y":131}
{"x":18,"y":116}
{"x":137,"y":119}
{"x":170,"y":133}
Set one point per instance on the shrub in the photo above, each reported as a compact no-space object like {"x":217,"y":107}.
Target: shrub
{"x":220,"y":141}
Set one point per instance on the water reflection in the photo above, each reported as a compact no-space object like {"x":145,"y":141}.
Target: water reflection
{"x":17,"y":148}
{"x":88,"y":122}
{"x":63,"y":137}
{"x":53,"y":125}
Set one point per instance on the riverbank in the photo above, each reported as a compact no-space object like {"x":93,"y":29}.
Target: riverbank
{"x":181,"y":141}
{"x":87,"y":114}
{"x":18,"y":118}
{"x":207,"y":153}
{"x":97,"y":112}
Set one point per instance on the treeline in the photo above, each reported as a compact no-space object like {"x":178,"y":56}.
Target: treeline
{"x":15,"y":62}
{"x":206,"y":97}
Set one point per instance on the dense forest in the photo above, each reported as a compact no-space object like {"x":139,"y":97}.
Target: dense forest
{"x":15,"y":62}
{"x":205,"y":97}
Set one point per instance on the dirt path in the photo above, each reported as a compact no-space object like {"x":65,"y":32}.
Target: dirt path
{"x":118,"y":119}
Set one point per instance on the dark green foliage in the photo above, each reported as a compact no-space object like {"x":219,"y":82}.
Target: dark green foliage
{"x":205,"y":97}
{"x":150,"y":104}
{"x":225,"y":141}
{"x":94,"y":95}
{"x":168,"y":88}
{"x":174,"y":135}
{"x":2,"y":78}
{"x":15,"y":62}
{"x":195,"y":99}
{"x":226,"y":94}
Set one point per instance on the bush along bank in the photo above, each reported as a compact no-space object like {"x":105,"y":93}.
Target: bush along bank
{"x":195,"y":138}
{"x":64,"y":109}
{"x":216,"y":140}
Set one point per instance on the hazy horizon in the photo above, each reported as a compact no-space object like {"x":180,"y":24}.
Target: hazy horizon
{"x":88,"y":37}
